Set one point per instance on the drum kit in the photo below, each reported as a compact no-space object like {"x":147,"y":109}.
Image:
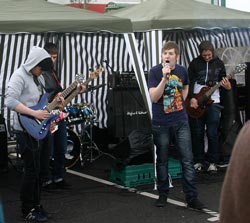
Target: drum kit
{"x":84,"y":115}
{"x":81,"y":146}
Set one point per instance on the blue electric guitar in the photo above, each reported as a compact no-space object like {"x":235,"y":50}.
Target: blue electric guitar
{"x":38,"y":129}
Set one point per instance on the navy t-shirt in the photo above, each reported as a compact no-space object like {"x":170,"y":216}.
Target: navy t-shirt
{"x":170,"y":108}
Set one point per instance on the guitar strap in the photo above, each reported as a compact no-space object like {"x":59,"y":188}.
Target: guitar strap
{"x":212,"y":78}
{"x":39,"y":84}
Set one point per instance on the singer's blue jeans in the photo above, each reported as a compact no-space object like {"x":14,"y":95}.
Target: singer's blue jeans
{"x":180,"y":135}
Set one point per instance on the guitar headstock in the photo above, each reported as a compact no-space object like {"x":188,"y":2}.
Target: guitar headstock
{"x":94,"y":74}
{"x":79,"y":78}
{"x":239,"y":68}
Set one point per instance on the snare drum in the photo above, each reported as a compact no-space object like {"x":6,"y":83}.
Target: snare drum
{"x":72,"y":154}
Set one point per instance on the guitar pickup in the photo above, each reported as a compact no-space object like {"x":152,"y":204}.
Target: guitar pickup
{"x":38,"y":121}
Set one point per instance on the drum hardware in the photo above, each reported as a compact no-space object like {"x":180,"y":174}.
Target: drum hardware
{"x":72,"y":154}
{"x":80,"y":113}
{"x":91,"y":88}
{"x":82,"y":146}
{"x":89,"y":150}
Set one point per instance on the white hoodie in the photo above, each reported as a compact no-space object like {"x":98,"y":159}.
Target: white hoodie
{"x":21,"y":86}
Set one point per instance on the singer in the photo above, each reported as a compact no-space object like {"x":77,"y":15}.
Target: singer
{"x":168,"y":87}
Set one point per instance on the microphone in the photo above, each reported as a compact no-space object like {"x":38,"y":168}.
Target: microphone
{"x":167,"y":64}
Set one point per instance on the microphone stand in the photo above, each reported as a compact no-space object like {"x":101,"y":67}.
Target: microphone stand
{"x":114,"y":79}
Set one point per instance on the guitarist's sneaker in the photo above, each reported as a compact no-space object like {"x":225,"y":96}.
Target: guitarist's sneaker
{"x":212,"y":168}
{"x":35,"y":215}
{"x":199,"y":167}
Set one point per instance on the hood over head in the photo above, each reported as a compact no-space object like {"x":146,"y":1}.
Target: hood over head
{"x":35,"y":56}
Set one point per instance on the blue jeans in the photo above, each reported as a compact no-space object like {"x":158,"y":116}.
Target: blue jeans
{"x":179,"y":134}
{"x":209,"y":121}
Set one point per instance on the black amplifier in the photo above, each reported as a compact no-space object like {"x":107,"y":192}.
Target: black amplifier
{"x":124,"y":80}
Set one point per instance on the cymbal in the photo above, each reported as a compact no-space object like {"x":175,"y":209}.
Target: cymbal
{"x":92,"y":88}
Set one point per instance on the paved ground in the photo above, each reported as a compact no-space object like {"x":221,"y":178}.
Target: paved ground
{"x":93,"y":198}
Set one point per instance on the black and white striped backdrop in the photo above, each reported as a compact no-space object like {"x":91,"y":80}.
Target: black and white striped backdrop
{"x":79,"y":53}
{"x":82,"y":52}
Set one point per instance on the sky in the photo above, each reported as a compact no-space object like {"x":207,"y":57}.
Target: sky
{"x":243,"y":5}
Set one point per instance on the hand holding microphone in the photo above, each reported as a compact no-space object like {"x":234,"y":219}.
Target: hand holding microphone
{"x":166,"y":70}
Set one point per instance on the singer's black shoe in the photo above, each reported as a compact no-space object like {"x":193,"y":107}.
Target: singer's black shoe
{"x":63,"y":185}
{"x":195,"y":204}
{"x":161,"y":201}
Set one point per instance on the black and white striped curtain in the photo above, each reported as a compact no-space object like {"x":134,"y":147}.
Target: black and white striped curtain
{"x":221,"y":38}
{"x":82,"y":52}
{"x":78,"y":53}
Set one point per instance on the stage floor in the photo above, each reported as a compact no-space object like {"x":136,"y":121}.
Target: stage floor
{"x":94,"y":199}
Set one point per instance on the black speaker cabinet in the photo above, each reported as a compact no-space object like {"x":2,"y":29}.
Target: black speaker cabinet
{"x":247,"y":79}
{"x":126,"y":112}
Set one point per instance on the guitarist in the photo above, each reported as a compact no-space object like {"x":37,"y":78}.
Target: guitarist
{"x":23,"y":91}
{"x":205,"y":71}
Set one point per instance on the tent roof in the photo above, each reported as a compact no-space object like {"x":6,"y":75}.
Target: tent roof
{"x":184,"y":14}
{"x":42,"y":16}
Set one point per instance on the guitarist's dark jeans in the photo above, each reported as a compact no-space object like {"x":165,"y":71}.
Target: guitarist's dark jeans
{"x":208,"y":123}
{"x":30,"y":192}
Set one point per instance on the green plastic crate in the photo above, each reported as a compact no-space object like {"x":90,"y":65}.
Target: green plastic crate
{"x":174,"y":168}
{"x":135,"y":175}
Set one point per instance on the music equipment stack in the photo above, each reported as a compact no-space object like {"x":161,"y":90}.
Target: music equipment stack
{"x":126,"y":112}
{"x":124,"y":80}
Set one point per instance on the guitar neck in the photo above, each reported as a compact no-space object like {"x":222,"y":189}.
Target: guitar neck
{"x":75,"y":92}
{"x":87,"y":81}
{"x":70,"y":92}
{"x":215,"y":87}
{"x":71,"y":96}
{"x":51,"y":106}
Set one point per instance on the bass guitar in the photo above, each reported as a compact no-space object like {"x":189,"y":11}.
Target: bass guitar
{"x":38,"y":129}
{"x":204,"y":96}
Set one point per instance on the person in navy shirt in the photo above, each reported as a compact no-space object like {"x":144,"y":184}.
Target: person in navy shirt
{"x":168,"y":84}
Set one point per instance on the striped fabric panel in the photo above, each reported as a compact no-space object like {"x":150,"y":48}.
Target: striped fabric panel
{"x":82,"y":52}
{"x":189,"y":40}
{"x":78,"y":53}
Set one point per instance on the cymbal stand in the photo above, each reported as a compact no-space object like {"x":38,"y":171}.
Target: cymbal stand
{"x":89,"y":150}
